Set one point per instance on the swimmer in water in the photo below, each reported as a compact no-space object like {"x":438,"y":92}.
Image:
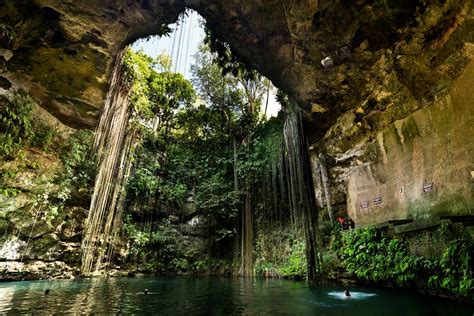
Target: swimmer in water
{"x":46,"y":292}
{"x":347,"y":293}
{"x":146,"y":291}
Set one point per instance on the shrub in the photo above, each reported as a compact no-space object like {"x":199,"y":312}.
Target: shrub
{"x":15,"y":123}
{"x":371,"y":256}
{"x":79,"y":168}
{"x":44,"y":136}
{"x":453,"y":273}
{"x":295,"y":268}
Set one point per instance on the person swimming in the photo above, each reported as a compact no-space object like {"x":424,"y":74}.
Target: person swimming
{"x":46,"y":292}
{"x":347,"y":293}
{"x":145,"y":291}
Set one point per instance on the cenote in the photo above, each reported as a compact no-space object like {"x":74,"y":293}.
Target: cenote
{"x":213,"y":296}
{"x":244,"y":157}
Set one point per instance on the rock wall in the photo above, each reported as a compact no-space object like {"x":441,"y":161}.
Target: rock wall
{"x":424,"y":165}
{"x":62,"y":51}
{"x":39,"y":236}
{"x":388,"y":59}
{"x":417,"y":167}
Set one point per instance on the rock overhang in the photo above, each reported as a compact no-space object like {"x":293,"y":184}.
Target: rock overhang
{"x":390,"y":59}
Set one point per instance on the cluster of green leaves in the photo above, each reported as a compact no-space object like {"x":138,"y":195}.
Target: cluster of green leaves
{"x":167,"y":249}
{"x":79,"y":167}
{"x":216,"y":196}
{"x":280,"y":253}
{"x":185,"y":141}
{"x":454,"y":271}
{"x":154,"y":93}
{"x":264,"y":148}
{"x":19,"y":130}
{"x":374,"y":257}
{"x":371,"y":256}
{"x":9,"y":192}
{"x":295,"y":267}
{"x":162,"y":250}
{"x":158,"y":95}
{"x":16,"y":129}
{"x":226,"y":59}
{"x":44,"y":136}
{"x":331,"y":235}
{"x":264,"y":269}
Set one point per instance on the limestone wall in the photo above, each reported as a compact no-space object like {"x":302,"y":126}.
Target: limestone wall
{"x":424,"y":165}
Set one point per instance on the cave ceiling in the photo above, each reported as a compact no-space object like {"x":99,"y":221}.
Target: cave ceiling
{"x":381,"y":56}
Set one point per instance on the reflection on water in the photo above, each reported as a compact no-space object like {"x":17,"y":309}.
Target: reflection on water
{"x":212,"y":296}
{"x":353,"y":295}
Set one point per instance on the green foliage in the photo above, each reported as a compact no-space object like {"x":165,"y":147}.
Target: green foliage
{"x":164,"y":248}
{"x":331,"y":234}
{"x":155,"y":93}
{"x":371,"y":256}
{"x":264,"y":268}
{"x":137,"y":238}
{"x":156,"y":97}
{"x":185,"y":150}
{"x":226,"y":59}
{"x":15,"y":123}
{"x":18,"y":129}
{"x":264,"y":148}
{"x":216,"y":196}
{"x":9,"y":192}
{"x":295,"y":268}
{"x":79,"y":168}
{"x":455,"y":269}
{"x":44,"y":136}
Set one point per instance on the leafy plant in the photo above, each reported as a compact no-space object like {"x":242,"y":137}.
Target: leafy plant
{"x":162,"y":250}
{"x":295,"y":268}
{"x":372,"y":256}
{"x":455,"y":271}
{"x":15,"y":123}
{"x":9,"y":192}
{"x":216,"y":197}
{"x":44,"y":136}
{"x":79,"y":168}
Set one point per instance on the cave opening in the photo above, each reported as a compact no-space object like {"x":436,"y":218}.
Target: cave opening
{"x":201,"y":159}
{"x":363,"y":174}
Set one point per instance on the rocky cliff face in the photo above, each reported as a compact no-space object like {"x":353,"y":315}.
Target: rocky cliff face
{"x":420,"y":166}
{"x":39,"y":233}
{"x":384,"y":60}
{"x":62,"y":50}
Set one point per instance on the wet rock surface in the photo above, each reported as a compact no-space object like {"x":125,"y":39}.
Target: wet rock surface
{"x":356,"y":68}
{"x":381,"y":85}
{"x":36,"y":270}
{"x":40,"y":237}
{"x":386,"y":57}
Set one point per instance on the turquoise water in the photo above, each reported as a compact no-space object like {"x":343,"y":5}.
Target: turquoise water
{"x":213,"y":296}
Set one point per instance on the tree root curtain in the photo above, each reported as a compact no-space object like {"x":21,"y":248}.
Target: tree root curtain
{"x":285,"y":196}
{"x":112,"y":146}
{"x":286,"y":193}
{"x":301,"y":187}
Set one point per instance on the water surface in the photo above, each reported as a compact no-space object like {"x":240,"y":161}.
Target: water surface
{"x":213,"y":296}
